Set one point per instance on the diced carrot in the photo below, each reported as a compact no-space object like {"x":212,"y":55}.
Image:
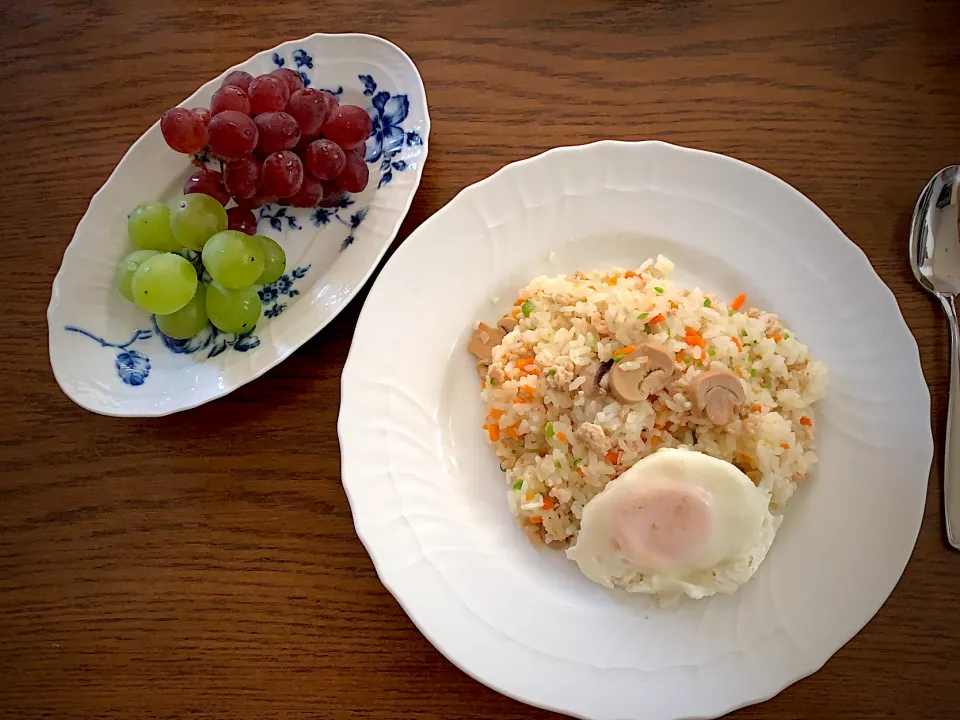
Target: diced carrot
{"x":775,"y":337}
{"x":611,"y":281}
{"x":630,"y":274}
{"x":548,"y":503}
{"x":680,"y":355}
{"x":744,"y":460}
{"x":519,"y":301}
{"x":738,"y":301}
{"x":785,"y":446}
{"x":694,"y":338}
{"x":656,"y":318}
{"x":512,"y":432}
{"x":736,"y":341}
{"x":612,"y":457}
{"x":496,"y":413}
{"x":536,"y":520}
{"x":806,"y":422}
{"x":624,"y":351}
{"x":654,"y":441}
{"x":757,"y":408}
{"x":524,"y":362}
{"x":673,"y":305}
{"x":659,"y":426}
{"x":483,"y":385}
{"x":494,"y":432}
{"x":561,"y":437}
{"x":515,"y":312}
{"x":533,"y":371}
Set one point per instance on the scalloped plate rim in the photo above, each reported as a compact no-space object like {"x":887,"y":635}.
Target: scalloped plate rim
{"x":391,"y":579}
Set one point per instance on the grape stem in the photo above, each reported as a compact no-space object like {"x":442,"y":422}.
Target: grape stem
{"x":137,"y":335}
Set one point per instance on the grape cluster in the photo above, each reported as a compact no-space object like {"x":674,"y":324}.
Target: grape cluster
{"x":277,"y":141}
{"x":159,"y":277}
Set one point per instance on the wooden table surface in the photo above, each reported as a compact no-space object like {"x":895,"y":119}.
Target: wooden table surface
{"x":205,"y":564}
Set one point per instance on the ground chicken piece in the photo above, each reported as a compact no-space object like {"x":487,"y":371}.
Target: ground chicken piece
{"x":593,"y":437}
{"x":772,"y":323}
{"x":600,"y":324}
{"x":562,"y":374}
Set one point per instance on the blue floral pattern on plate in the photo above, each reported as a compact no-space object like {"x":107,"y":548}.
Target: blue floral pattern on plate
{"x":133,"y":367}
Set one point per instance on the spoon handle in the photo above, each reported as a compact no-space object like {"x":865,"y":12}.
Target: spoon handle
{"x":951,"y":461}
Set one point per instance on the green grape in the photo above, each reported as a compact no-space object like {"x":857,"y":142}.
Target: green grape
{"x":149,"y":228}
{"x":164,"y":283}
{"x":127,"y":267}
{"x":188,"y":320}
{"x":275,"y":260}
{"x":233,"y":259}
{"x":195,"y":218}
{"x":233,"y":311}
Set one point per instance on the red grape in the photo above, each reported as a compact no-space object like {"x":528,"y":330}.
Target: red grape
{"x":325,"y":159}
{"x":291,"y":78}
{"x":332,"y":194}
{"x":310,"y":193}
{"x":282,"y":174}
{"x":229,"y":98}
{"x":258,"y":200}
{"x":183,"y":131}
{"x":233,"y":135}
{"x":309,"y":107}
{"x":355,"y":174}
{"x":203,"y":114}
{"x":242,"y":219}
{"x":242,"y":177}
{"x":237,"y":78}
{"x":348,"y":126}
{"x":268,"y":93}
{"x":332,"y":102}
{"x":207,"y":182}
{"x":278,"y":131}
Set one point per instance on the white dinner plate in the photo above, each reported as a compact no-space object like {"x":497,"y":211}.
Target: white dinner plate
{"x":107,"y":354}
{"x":429,"y":499}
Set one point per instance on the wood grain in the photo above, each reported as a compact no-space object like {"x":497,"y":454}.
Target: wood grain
{"x":205,"y":565}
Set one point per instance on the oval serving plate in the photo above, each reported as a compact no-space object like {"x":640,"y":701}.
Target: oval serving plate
{"x":105,"y":352}
{"x":429,"y":500}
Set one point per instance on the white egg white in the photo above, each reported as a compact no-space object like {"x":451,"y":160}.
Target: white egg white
{"x":705,"y":527}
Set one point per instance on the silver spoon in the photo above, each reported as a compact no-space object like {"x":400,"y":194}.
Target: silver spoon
{"x":935,"y":259}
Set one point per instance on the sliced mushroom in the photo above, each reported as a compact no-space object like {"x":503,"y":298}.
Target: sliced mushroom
{"x":717,"y":394}
{"x":482,"y":367}
{"x":484,"y":340}
{"x":655,"y":373}
{"x":507,"y":323}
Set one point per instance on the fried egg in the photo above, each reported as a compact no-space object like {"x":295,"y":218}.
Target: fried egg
{"x":677,"y":522}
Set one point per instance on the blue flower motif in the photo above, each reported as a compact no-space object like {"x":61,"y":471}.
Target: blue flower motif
{"x":369,"y":84}
{"x":304,"y":77}
{"x":278,"y":61}
{"x":272,"y":293}
{"x":322,"y":216}
{"x":277,"y":217}
{"x":347,"y":242}
{"x":302,"y":59}
{"x":132,"y":367}
{"x":246,"y":342}
{"x":413,"y":139}
{"x":387,"y":136}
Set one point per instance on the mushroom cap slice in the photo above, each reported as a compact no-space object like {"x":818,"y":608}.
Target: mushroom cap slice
{"x":484,"y":340}
{"x":507,"y":323}
{"x":717,"y":393}
{"x":631,"y":386}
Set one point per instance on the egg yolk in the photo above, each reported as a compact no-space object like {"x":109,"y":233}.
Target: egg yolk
{"x":664,"y":525}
